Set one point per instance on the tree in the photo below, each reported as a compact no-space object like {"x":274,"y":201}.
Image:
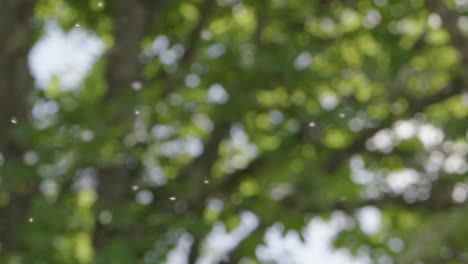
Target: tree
{"x":287,"y":109}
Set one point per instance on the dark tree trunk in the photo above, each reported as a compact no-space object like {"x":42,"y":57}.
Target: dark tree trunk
{"x":16,"y":39}
{"x":131,"y":21}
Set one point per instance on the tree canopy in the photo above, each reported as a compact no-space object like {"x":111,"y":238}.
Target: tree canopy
{"x":201,"y":112}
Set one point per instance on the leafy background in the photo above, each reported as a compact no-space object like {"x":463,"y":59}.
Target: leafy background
{"x":196,"y":116}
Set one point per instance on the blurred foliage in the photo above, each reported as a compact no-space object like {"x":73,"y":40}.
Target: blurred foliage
{"x":289,"y":109}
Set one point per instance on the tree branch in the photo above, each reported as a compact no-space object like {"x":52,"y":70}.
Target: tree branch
{"x":172,"y":81}
{"x":203,"y":17}
{"x":416,"y":106}
{"x":450,"y":23}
